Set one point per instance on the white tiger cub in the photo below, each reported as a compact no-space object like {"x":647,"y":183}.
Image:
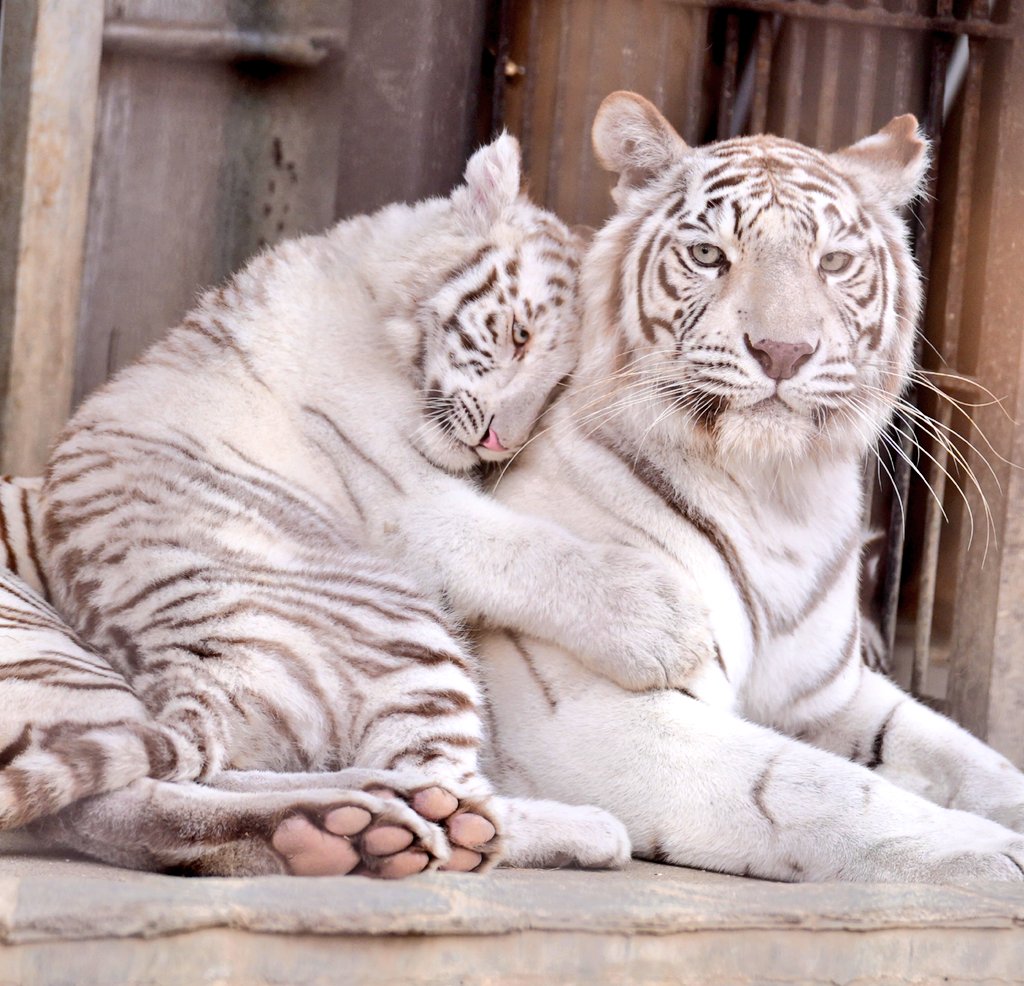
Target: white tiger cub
{"x":254,"y":525}
{"x":748,"y":321}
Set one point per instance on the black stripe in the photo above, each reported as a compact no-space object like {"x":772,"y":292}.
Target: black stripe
{"x":479,"y":291}
{"x":652,"y":478}
{"x":879,"y":741}
{"x":31,"y":541}
{"x":15,"y":748}
{"x":349,"y":444}
{"x":757,"y":792}
{"x":531,"y":666}
{"x":8,"y":550}
{"x":847,"y":652}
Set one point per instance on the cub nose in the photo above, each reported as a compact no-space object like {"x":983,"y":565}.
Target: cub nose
{"x":780,"y":360}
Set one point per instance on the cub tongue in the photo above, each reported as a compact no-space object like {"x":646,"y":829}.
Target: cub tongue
{"x":492,"y":442}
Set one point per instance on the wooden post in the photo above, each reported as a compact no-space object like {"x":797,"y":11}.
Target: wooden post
{"x":49,"y":72}
{"x":986,"y":687}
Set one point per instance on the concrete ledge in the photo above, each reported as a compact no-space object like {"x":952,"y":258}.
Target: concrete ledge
{"x":82,"y":923}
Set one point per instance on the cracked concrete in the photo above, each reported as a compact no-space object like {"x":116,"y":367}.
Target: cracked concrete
{"x":80,"y":923}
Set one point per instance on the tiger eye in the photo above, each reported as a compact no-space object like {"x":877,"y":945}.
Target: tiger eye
{"x":520,"y":334}
{"x":707,"y":255}
{"x":835,"y":262}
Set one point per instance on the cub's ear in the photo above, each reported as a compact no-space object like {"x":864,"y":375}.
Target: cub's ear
{"x":491,"y":183}
{"x":633,"y":140}
{"x":892,"y":163}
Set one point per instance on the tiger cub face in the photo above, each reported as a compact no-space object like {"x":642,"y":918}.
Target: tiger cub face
{"x":501,"y":332}
{"x":765,"y":289}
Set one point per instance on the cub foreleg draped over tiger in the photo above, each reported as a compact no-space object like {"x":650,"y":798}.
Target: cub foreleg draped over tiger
{"x":748,"y":327}
{"x":264,"y":524}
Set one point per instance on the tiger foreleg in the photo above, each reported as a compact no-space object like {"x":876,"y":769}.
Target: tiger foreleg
{"x":696,"y":786}
{"x":619,"y":609}
{"x":922,"y":751}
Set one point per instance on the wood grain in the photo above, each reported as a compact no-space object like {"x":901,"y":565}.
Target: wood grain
{"x":50,"y":65}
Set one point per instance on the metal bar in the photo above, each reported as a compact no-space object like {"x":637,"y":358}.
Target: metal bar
{"x":729,"y":70}
{"x":698,"y":21}
{"x":941,"y":48}
{"x":873,"y":16}
{"x":828,"y":91}
{"x":962,"y":209}
{"x":864,"y":108}
{"x":897,"y":528}
{"x":665,"y":52}
{"x":296,"y":48}
{"x":902,"y":85}
{"x":763,"y":45}
{"x":921,"y":654}
{"x":899,"y":101}
{"x":532,"y":80}
{"x":793,"y":86}
{"x":934,"y":517}
{"x":557,"y":148}
{"x":503,"y":70}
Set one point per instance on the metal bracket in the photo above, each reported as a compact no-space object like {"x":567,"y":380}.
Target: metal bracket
{"x":296,"y":48}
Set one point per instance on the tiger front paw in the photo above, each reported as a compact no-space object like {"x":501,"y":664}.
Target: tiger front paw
{"x":644,"y":634}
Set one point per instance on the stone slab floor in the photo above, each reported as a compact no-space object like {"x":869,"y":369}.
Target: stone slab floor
{"x":79,"y":924}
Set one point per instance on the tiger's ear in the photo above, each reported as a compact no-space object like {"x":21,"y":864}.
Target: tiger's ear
{"x":633,"y":140}
{"x":491,"y":183}
{"x":892,"y":163}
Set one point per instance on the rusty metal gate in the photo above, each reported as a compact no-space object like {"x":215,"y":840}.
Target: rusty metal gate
{"x":948,"y":598}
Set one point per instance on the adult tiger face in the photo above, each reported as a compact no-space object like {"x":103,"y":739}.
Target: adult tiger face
{"x":762,"y":291}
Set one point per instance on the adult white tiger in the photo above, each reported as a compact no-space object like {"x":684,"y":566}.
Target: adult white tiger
{"x":749,"y":319}
{"x":253,"y":526}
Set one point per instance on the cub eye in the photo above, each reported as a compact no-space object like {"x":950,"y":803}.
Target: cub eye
{"x":520,"y":334}
{"x":707,"y":255}
{"x":835,"y":262}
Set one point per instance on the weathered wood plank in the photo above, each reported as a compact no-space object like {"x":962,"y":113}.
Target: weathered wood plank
{"x":575,"y":52}
{"x":407,"y":110}
{"x":199,"y":164}
{"x":50,"y":67}
{"x":986,"y":688}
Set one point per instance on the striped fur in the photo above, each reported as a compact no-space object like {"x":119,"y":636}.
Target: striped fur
{"x":47,"y":758}
{"x":748,"y":324}
{"x":264,"y":527}
{"x":19,"y":530}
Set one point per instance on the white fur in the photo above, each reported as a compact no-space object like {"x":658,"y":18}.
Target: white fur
{"x":307,"y":439}
{"x":762,"y":765}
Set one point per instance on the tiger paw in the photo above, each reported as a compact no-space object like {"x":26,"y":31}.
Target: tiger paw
{"x":467,"y":822}
{"x":389,"y":835}
{"x":379,"y":836}
{"x":645,"y":634}
{"x":472,"y":835}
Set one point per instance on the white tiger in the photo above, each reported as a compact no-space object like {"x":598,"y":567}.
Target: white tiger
{"x":257,"y":533}
{"x":749,"y":314}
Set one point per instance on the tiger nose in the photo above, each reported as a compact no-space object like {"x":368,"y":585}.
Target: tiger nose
{"x":780,"y":360}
